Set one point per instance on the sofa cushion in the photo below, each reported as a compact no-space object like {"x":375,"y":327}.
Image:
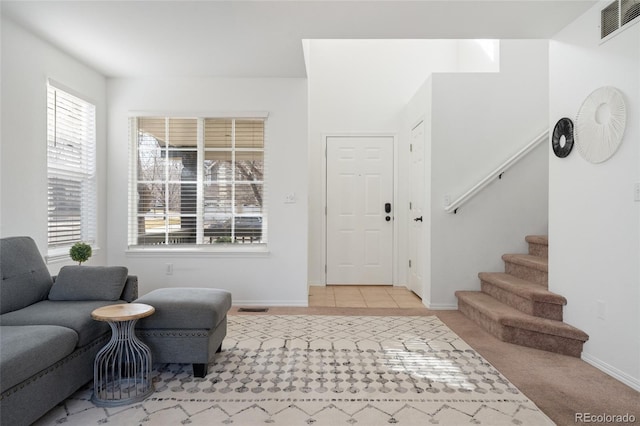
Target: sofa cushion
{"x":75,"y":315}
{"x":24,"y":278}
{"x":89,"y":283}
{"x":185,"y":308}
{"x":26,"y":350}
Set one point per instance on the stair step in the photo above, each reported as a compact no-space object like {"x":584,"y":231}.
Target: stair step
{"x":523,"y":295}
{"x":538,"y":245}
{"x":527,"y":267}
{"x":537,"y":239}
{"x":510,"y":325}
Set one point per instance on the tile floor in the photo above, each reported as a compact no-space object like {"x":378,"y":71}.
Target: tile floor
{"x":363,"y":296}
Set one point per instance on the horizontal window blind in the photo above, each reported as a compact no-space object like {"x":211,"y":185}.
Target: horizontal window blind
{"x":197,"y":181}
{"x":71,"y":169}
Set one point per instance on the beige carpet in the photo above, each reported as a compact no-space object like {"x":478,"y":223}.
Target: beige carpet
{"x":325,"y":370}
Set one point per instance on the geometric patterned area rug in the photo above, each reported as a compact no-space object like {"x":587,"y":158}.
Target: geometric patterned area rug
{"x":324,"y":370}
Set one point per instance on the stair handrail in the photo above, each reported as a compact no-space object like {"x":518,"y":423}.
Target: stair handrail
{"x":498,"y":172}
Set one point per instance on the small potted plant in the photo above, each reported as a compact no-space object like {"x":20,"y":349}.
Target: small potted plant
{"x":80,"y":252}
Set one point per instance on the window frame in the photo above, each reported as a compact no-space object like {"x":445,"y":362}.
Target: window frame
{"x":199,"y":248}
{"x":83,"y":172}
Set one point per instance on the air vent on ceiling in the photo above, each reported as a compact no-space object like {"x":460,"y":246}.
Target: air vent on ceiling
{"x":618,"y":14}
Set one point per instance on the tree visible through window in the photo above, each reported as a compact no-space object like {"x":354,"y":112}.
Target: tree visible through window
{"x":197,"y":181}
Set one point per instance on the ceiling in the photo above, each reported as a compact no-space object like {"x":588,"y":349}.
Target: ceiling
{"x":263,"y":38}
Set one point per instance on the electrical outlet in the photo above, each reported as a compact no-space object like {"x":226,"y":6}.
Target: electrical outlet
{"x":169,"y":269}
{"x":636,"y":191}
{"x":290,"y":198}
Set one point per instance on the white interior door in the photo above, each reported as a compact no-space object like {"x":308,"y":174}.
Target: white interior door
{"x":416,"y":207}
{"x":359,"y":229}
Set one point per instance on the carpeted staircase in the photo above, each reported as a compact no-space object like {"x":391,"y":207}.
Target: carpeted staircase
{"x":516,"y":306}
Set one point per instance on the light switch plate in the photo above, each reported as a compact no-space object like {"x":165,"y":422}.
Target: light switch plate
{"x":290,"y":198}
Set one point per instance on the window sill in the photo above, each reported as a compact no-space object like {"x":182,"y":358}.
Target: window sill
{"x":193,"y":251}
{"x":61,"y":255}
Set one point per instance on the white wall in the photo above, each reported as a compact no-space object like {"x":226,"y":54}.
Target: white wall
{"x":478,"y":55}
{"x":363,"y":87}
{"x":279,"y":278}
{"x":594,"y":226}
{"x":477,"y":121}
{"x":27,"y":63}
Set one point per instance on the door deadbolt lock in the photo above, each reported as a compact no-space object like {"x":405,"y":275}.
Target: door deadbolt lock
{"x":388,"y":218}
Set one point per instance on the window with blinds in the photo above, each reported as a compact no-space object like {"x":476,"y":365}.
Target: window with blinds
{"x":197,"y":181}
{"x":71,"y":169}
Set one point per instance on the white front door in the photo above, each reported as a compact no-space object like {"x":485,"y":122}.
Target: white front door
{"x":416,"y":206}
{"x":360,"y":210}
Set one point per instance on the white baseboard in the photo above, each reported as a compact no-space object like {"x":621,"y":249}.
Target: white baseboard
{"x":287,"y":303}
{"x":632,"y":382}
{"x":441,"y":306}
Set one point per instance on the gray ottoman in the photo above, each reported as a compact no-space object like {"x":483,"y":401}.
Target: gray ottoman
{"x":187,"y":327}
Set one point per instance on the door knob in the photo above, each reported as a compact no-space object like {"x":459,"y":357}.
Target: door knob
{"x":418,"y":219}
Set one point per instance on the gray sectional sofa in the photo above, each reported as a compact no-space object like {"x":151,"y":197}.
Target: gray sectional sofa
{"x":48,"y":340}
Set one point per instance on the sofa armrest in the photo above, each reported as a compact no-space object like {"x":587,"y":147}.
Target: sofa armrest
{"x":130,"y":291}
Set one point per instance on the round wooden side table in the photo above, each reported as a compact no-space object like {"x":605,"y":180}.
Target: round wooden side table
{"x":122,"y":368}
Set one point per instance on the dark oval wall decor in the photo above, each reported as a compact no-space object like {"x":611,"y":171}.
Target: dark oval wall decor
{"x":564,"y":127}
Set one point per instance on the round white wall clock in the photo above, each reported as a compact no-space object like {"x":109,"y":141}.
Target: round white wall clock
{"x":600,"y":124}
